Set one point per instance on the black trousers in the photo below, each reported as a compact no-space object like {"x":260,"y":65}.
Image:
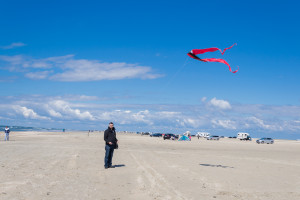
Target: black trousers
{"x":109,"y":152}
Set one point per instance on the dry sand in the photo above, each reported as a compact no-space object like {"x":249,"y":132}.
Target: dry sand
{"x":68,"y":166}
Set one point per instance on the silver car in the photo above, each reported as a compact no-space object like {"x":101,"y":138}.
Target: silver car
{"x":265,"y":140}
{"x":213,"y":137}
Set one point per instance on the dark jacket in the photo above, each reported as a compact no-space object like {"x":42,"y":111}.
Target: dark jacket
{"x":6,"y":130}
{"x":110,"y":135}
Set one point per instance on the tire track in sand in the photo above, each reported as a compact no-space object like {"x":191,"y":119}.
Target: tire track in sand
{"x":158,"y":186}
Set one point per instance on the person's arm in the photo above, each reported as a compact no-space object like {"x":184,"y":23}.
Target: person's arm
{"x":116,"y":137}
{"x":105,"y":136}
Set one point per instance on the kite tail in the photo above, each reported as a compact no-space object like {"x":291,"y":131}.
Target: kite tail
{"x":227,"y":49}
{"x":220,"y":61}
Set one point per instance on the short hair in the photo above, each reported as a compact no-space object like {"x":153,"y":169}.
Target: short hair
{"x":111,"y":123}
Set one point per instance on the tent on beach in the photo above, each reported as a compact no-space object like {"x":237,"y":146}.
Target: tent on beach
{"x":185,"y":137}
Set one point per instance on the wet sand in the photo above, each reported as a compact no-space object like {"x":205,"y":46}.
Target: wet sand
{"x":68,"y":166}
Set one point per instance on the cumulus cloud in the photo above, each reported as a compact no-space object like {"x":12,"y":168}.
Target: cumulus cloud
{"x":54,"y":113}
{"x":221,"y":104}
{"x":68,"y":69}
{"x":128,"y":116}
{"x":64,"y":107}
{"x":29,"y":113}
{"x":13,"y":45}
{"x":142,"y":116}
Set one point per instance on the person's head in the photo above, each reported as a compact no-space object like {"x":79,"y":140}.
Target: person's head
{"x":111,"y":125}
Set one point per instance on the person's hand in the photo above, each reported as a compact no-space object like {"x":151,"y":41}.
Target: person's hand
{"x":110,"y":143}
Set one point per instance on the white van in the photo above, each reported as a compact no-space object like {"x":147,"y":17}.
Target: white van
{"x":243,"y":136}
{"x":203,"y":134}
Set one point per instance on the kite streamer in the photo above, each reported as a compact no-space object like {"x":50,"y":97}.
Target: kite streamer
{"x":195,"y":52}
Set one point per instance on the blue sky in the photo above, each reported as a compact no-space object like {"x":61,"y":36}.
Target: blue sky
{"x":80,"y":64}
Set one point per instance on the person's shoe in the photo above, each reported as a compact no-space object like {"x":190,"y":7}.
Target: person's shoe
{"x":111,"y":166}
{"x":106,"y":167}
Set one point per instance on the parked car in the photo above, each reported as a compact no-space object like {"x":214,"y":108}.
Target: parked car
{"x":265,"y":140}
{"x":145,"y":133}
{"x":169,"y":136}
{"x":213,"y":137}
{"x":156,"y":135}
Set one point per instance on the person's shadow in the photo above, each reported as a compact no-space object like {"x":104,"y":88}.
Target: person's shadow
{"x":121,"y":165}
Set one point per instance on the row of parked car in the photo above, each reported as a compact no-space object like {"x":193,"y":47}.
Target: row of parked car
{"x":259,"y":141}
{"x":241,"y":136}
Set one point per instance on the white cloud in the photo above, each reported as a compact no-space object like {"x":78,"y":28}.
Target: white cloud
{"x":228,"y":124}
{"x":54,"y":113}
{"x":86,"y":70}
{"x":29,"y":113}
{"x":64,"y":107}
{"x":68,"y":69}
{"x":221,"y":104}
{"x":38,"y":75}
{"x":85,"y":98}
{"x":262,"y":124}
{"x":14,"y":61}
{"x":13,"y":45}
{"x":203,"y":99}
{"x":191,"y":122}
{"x":142,"y":116}
{"x":168,"y":114}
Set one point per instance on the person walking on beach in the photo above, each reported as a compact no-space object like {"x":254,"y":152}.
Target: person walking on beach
{"x":6,"y":131}
{"x":111,"y":143}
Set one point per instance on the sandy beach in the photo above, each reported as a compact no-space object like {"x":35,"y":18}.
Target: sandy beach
{"x":68,"y":166}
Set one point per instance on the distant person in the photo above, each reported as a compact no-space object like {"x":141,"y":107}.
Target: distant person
{"x":111,"y":142}
{"x":6,"y":130}
{"x":198,"y":136}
